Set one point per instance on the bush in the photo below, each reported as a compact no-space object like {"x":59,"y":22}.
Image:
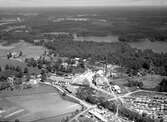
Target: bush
{"x":163,"y":85}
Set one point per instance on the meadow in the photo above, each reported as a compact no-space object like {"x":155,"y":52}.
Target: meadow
{"x":27,"y":49}
{"x":38,"y":104}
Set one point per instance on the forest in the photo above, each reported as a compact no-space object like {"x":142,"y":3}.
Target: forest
{"x":114,"y":53}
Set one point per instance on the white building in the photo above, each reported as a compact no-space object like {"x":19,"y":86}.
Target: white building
{"x":100,"y":72}
{"x":117,"y":89}
{"x":88,"y":76}
{"x":99,"y":114}
{"x":34,"y":81}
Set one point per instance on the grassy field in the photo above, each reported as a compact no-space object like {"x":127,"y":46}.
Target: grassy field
{"x":39,"y":104}
{"x":28,"y":49}
{"x":38,"y":89}
{"x":58,"y":118}
{"x":151,"y":81}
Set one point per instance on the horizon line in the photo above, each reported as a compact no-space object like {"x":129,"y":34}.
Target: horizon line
{"x":82,"y":6}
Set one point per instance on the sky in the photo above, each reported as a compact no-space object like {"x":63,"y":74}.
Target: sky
{"x":59,"y":3}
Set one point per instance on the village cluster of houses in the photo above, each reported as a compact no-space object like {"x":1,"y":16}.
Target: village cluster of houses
{"x":153,"y":106}
{"x":14,"y":54}
{"x":95,"y":78}
{"x":59,"y":80}
{"x":102,"y":114}
{"x":101,"y":81}
{"x":26,"y":82}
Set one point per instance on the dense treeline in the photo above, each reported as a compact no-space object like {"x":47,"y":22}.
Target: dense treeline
{"x":117,"y":53}
{"x":56,"y":65}
{"x":84,"y":49}
{"x":138,"y":37}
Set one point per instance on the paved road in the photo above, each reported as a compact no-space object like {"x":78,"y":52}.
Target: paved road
{"x":81,"y":113}
{"x":164,"y":93}
{"x":125,"y":95}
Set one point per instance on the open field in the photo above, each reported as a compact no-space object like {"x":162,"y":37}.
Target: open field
{"x":151,"y":81}
{"x":28,"y":49}
{"x":39,"y":89}
{"x":4,"y":49}
{"x":55,"y":118}
{"x":40,"y":104}
{"x":120,"y":82}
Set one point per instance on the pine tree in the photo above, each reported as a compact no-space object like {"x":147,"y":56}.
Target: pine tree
{"x":7,"y":67}
{"x":26,"y":70}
